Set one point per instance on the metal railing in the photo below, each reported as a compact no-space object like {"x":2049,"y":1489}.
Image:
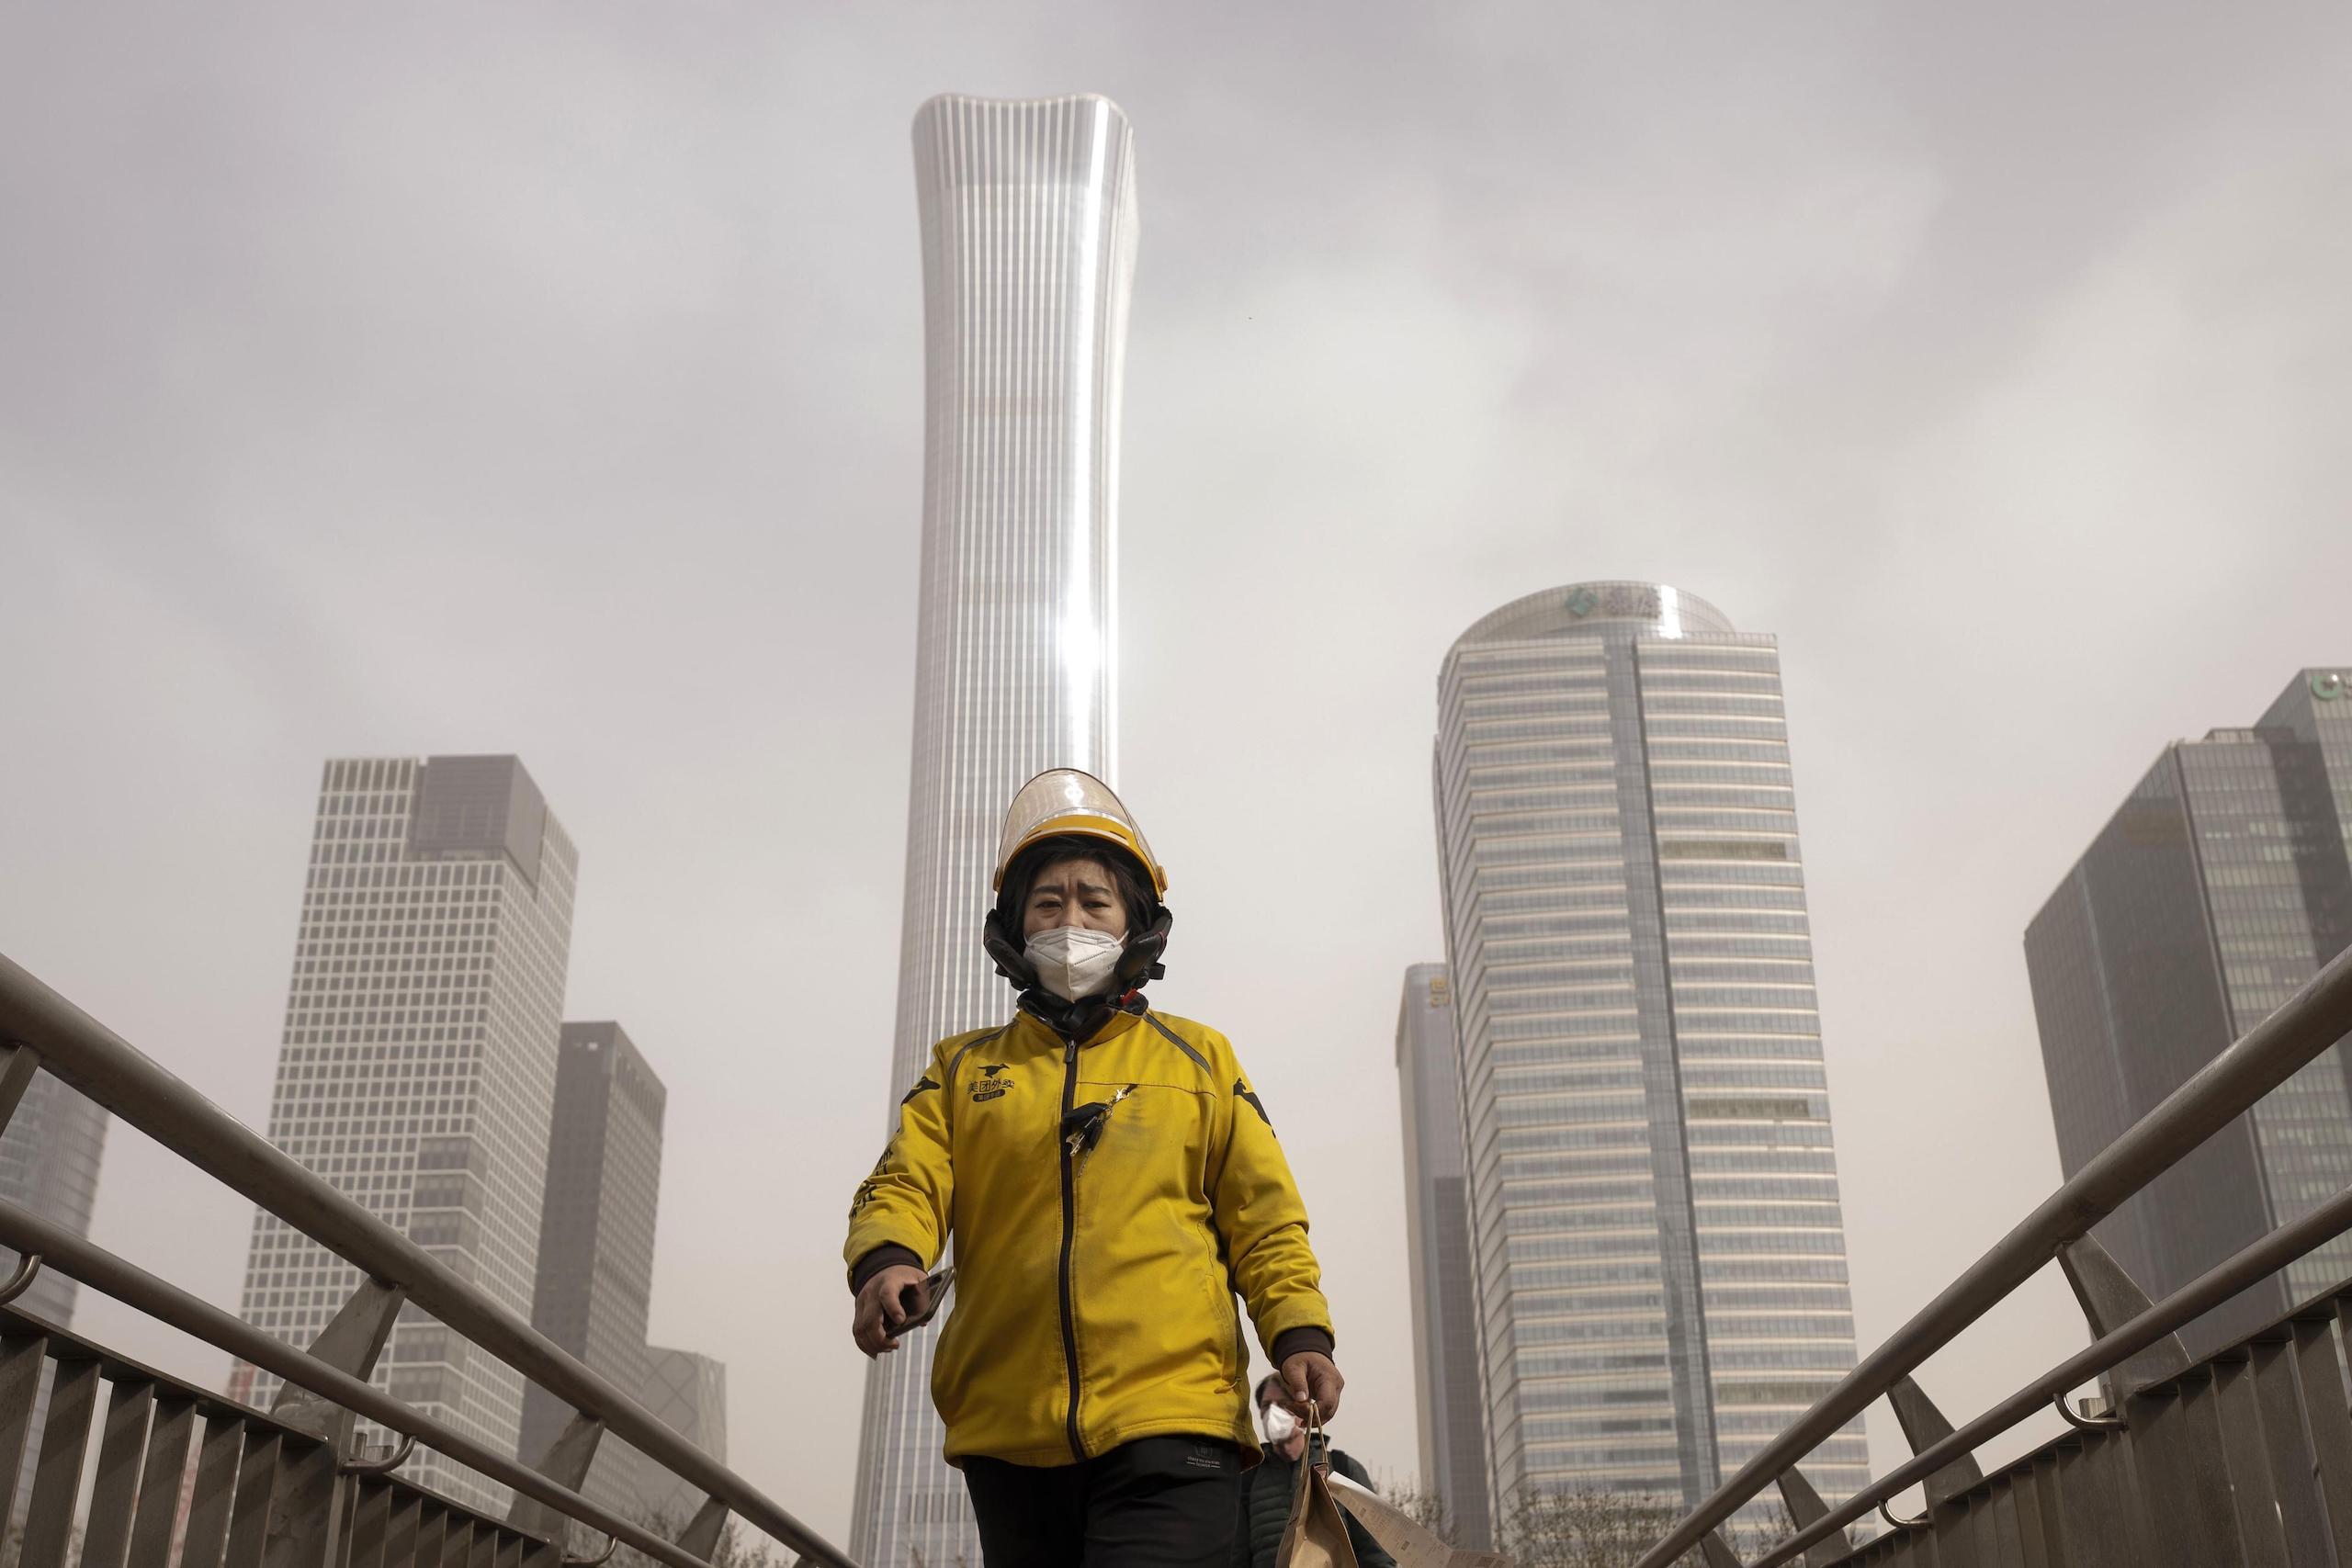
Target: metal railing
{"x":2200,"y":1465}
{"x":281,"y":1489}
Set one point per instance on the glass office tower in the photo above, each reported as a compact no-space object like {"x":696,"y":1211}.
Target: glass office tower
{"x":1656,"y":1237}
{"x":417,"y":1072}
{"x":1437,"y":1252}
{"x":50,"y":1153}
{"x":1028,"y":240}
{"x":2219,"y":888}
{"x":688,"y":1392}
{"x":595,"y":1283}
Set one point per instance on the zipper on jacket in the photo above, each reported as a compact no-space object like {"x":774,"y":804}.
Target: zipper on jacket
{"x":1069,"y":1236}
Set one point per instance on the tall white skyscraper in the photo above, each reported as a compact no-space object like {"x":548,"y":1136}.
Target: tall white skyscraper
{"x":1656,"y":1234}
{"x":1028,"y":240}
{"x":418,"y":1065}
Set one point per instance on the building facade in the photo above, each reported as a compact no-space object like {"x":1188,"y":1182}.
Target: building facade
{"x":1029,"y":233}
{"x":1657,"y":1242}
{"x":50,"y":1152}
{"x":2219,"y":887}
{"x":595,"y":1273}
{"x":688,"y":1392}
{"x":417,"y":1066}
{"x":1437,"y":1250}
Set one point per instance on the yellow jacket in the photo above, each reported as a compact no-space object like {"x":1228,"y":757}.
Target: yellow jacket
{"x":1094,"y":1284}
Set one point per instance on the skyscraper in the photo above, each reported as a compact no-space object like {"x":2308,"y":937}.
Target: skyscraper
{"x":689,"y":1392}
{"x":595,"y":1271}
{"x":1028,"y":240}
{"x":1657,"y":1246}
{"x":418,"y":1063}
{"x":2219,"y":887}
{"x":1437,"y":1250}
{"x":49,"y":1163}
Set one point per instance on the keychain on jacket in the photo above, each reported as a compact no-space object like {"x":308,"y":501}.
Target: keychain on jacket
{"x":1316,"y":1536}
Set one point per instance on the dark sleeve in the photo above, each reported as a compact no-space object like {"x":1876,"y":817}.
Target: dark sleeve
{"x":1368,"y":1550}
{"x":889,"y":1255}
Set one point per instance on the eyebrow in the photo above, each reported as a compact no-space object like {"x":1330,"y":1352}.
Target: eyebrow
{"x":1054,"y":889}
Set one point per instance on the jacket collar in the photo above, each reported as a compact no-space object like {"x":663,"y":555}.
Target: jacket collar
{"x":1059,"y":1020}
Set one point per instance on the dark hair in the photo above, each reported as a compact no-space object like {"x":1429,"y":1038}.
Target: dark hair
{"x":1258,"y":1395}
{"x":1127,"y":876}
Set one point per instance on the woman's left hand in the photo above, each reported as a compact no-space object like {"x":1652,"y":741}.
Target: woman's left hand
{"x":1310,"y":1374}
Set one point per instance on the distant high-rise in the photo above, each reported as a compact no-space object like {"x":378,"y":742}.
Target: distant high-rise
{"x":688,"y":1392}
{"x":48,"y":1164}
{"x":595,"y":1273}
{"x":2219,"y":887}
{"x":1437,"y":1250}
{"x":418,"y":1063}
{"x":1657,"y":1240}
{"x":1028,"y":239}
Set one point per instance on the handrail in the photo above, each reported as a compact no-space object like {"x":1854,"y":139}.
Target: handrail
{"x":166,"y":1302}
{"x":2192,"y":1301}
{"x":82,"y":1052}
{"x":2306,"y":1024}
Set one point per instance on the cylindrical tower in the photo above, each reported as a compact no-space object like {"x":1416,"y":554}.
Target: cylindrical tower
{"x":1028,"y":240}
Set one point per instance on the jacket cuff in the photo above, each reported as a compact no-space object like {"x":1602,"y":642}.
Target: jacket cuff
{"x":889,"y":1255}
{"x":1288,"y":1343}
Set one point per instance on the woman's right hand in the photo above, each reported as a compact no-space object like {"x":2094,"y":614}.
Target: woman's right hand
{"x":880,"y":1314}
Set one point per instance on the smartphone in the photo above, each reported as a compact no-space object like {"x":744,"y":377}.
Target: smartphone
{"x":935,"y":1288}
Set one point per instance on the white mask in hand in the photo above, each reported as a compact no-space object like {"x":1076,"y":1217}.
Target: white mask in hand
{"x":1072,"y":962}
{"x":1279,"y":1424}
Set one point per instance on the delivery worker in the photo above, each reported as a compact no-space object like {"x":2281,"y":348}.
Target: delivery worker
{"x":1108,"y":1181}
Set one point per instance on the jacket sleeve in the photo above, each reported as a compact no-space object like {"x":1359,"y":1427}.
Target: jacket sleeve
{"x":1264,"y":1222}
{"x":907,"y":1200}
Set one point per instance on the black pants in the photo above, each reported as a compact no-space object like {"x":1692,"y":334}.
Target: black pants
{"x":1154,"y":1503}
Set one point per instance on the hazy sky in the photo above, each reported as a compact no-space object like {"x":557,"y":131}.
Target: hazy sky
{"x":547,"y":378}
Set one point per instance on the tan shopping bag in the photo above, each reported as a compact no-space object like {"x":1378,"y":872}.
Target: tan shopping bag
{"x":1412,"y":1543}
{"x":1317,"y":1537}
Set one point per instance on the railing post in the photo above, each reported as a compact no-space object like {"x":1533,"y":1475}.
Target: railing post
{"x":2111,"y":1298}
{"x":566,"y":1463}
{"x":305,"y":1528}
{"x":1805,"y":1506}
{"x":1923,"y":1427}
{"x":1717,"y":1554}
{"x":19,"y":1063}
{"x":702,"y":1533}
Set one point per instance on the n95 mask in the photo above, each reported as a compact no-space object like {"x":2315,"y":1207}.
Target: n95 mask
{"x":1072,"y":962}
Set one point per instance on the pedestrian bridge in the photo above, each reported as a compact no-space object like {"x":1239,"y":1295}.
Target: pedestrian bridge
{"x":186,"y":1477}
{"x":2243,"y":1457}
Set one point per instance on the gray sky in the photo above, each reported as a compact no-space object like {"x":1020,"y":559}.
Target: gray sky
{"x":547,"y":378}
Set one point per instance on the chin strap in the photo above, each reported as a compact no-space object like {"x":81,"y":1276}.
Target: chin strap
{"x":1078,"y":1019}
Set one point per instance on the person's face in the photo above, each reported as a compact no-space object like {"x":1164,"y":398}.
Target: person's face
{"x":1288,"y":1448}
{"x":1076,"y":893}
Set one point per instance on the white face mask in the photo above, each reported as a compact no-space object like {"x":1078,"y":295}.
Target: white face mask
{"x":1279,"y":1424}
{"x":1072,"y":962}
